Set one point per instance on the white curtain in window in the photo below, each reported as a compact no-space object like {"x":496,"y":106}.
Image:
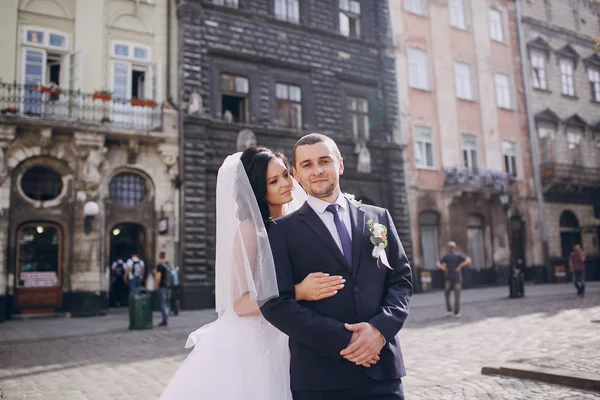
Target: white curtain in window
{"x":457,"y":14}
{"x":463,"y":81}
{"x":417,"y":69}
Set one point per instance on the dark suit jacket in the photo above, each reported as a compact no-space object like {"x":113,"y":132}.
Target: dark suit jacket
{"x":301,"y":244}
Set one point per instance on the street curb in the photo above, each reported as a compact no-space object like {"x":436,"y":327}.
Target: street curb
{"x":576,"y":379}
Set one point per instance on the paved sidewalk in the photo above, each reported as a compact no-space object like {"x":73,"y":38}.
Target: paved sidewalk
{"x":98,"y":358}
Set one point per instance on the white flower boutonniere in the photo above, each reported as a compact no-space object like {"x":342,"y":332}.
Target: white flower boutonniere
{"x":379,"y":240}
{"x":352,"y":197}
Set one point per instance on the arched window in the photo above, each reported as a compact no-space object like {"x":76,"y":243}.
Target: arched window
{"x":128,"y":189}
{"x":570,"y":233}
{"x":41,"y":183}
{"x":475,"y":240}
{"x":429,"y":228}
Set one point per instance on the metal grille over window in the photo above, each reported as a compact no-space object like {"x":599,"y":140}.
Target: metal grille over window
{"x":41,"y":183}
{"x":128,"y":189}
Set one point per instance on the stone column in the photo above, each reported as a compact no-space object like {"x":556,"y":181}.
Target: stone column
{"x":7,"y":135}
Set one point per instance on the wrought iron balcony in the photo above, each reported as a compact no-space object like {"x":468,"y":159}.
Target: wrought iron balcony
{"x":570,"y":175}
{"x":36,"y":102}
{"x":480,"y":178}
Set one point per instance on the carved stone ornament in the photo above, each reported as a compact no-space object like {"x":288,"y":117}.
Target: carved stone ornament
{"x":170,"y":154}
{"x":133,"y":150}
{"x":246,"y":138}
{"x":364,"y":159}
{"x":90,"y":172}
{"x":195,"y":106}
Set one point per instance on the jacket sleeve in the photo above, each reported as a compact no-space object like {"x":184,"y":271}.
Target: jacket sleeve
{"x":326,"y":336}
{"x":394,"y":307}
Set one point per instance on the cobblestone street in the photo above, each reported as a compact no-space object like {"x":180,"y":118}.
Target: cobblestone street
{"x":98,"y":358}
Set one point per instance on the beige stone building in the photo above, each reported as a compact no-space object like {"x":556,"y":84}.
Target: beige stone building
{"x":563,"y":65}
{"x":463,"y":122}
{"x":89,"y":148}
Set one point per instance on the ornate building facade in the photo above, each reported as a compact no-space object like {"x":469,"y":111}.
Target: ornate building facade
{"x":88,"y":151}
{"x":268,"y":72}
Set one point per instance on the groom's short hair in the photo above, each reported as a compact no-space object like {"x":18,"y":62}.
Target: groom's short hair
{"x":313,"y":138}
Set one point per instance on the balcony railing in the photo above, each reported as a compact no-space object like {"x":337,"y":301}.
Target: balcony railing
{"x":553,"y":173}
{"x":478,"y":178}
{"x":57,"y":104}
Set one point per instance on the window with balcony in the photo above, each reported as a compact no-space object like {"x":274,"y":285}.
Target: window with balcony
{"x":509,"y":150}
{"x":350,"y":18}
{"x":423,"y":147}
{"x":469,"y":145}
{"x":574,"y":136}
{"x":414,"y":6}
{"x":538,"y":70}
{"x":289,"y":106}
{"x":132,"y":73}
{"x":287,"y":10}
{"x":45,"y":55}
{"x":496,"y":25}
{"x":358,"y":117}
{"x":567,"y":79}
{"x":235,"y":101}
{"x":417,"y":69}
{"x":503,"y":91}
{"x":457,"y":14}
{"x":228,"y":3}
{"x":462,"y":73}
{"x":594,"y":79}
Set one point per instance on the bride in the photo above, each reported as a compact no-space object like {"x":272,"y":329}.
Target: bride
{"x":240,"y":355}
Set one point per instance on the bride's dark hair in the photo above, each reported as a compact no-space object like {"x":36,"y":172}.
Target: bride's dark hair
{"x":255,"y":161}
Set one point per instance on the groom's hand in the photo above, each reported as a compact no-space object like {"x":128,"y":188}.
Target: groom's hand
{"x":365,"y":345}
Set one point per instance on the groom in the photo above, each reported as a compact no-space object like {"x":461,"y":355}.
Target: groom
{"x":344,"y":347}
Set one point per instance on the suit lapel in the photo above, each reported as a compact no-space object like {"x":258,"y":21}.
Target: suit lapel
{"x":357,"y":217}
{"x":312,"y":220}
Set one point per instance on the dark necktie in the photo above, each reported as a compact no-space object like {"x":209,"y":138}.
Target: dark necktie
{"x":342,"y":231}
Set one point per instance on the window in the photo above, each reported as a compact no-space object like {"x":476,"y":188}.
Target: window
{"x":538,"y":70}
{"x":350,"y":18}
{"x":496,"y":29}
{"x":423,"y":147}
{"x":417,"y":69}
{"x":131,"y":72}
{"x":463,"y":81}
{"x":358,"y":117}
{"x":287,"y":10}
{"x":594,"y":77}
{"x":574,"y":145}
{"x":38,"y":255}
{"x":229,"y":3}
{"x":457,"y":14}
{"x":469,"y":144}
{"x":502,"y":91}
{"x":128,"y":189}
{"x":289,"y":106}
{"x":414,"y":6}
{"x":234,"y":98}
{"x":509,"y":150}
{"x":570,"y":232}
{"x":566,"y":77}
{"x":429,"y":222}
{"x":41,"y":37}
{"x":546,"y":136}
{"x":41,"y":183}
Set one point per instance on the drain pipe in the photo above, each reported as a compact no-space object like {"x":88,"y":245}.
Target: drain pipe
{"x":533,"y":140}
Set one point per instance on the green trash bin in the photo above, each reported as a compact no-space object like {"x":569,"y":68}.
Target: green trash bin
{"x":140,"y":309}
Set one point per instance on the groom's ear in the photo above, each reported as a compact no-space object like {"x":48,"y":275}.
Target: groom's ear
{"x":294,"y":173}
{"x":341,"y":166}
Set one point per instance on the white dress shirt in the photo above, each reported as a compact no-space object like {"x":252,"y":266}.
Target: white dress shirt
{"x":320,"y":208}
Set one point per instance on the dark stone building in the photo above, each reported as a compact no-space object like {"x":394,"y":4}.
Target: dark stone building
{"x":268,"y":72}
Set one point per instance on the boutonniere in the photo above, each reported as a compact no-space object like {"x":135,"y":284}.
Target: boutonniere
{"x":352,"y":197}
{"x":379,"y":240}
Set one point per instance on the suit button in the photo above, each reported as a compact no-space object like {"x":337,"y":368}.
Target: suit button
{"x":356,"y":290}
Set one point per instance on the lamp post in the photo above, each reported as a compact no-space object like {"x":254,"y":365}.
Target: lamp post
{"x":515,"y":280}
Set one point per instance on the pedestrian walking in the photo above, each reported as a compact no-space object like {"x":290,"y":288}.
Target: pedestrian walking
{"x":134,"y":272}
{"x":452,"y":263}
{"x":577,"y":267}
{"x":119,"y":288}
{"x":164,"y":283}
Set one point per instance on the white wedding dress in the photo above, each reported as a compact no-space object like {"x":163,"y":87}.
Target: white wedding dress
{"x":234,"y":358}
{"x":238,"y":357}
